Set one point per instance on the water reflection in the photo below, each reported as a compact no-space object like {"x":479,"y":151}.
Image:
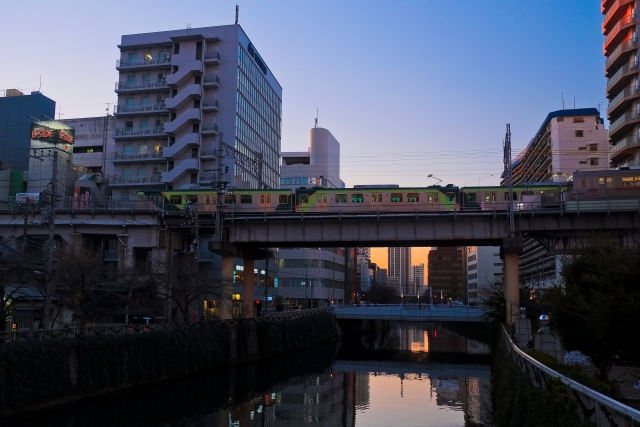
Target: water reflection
{"x":400,"y":375}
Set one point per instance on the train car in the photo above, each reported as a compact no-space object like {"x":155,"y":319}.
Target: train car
{"x":205,"y":200}
{"x":372,"y":199}
{"x":604,"y":190}
{"x":527,"y":197}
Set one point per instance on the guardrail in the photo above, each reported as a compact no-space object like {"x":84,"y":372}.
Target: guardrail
{"x":413,"y":312}
{"x":594,"y":407}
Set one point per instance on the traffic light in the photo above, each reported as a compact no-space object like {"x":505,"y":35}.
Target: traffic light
{"x":258,"y":305}
{"x":225,"y":170}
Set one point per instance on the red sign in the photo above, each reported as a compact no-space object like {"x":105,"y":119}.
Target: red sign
{"x":44,"y":133}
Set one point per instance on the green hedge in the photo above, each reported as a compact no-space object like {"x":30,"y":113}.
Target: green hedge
{"x":518,"y":403}
{"x":33,"y":373}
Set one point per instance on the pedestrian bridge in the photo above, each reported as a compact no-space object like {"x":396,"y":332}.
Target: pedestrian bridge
{"x":411,"y":313}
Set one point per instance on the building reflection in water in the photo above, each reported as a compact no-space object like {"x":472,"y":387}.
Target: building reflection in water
{"x":381,"y":393}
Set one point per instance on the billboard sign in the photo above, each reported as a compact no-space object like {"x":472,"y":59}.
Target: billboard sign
{"x":25,"y":198}
{"x":55,"y":136}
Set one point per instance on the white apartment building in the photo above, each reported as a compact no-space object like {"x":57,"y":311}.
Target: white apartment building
{"x":399,"y":269}
{"x":484,"y":269}
{"x":180,"y":94}
{"x":316,"y":274}
{"x":417,"y":279}
{"x":94,"y":138}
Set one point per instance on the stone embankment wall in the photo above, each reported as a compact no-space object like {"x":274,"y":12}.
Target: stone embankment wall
{"x":47,"y":372}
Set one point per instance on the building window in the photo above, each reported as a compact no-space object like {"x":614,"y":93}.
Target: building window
{"x":341,"y":198}
{"x":601,"y":182}
{"x":593,"y":161}
{"x":473,"y":276}
{"x":627,"y":181}
{"x":578,"y":120}
{"x":498,"y":264}
{"x":472,"y":257}
{"x":560,"y":119}
{"x":357,"y":198}
{"x":579,"y":133}
{"x":246,"y":198}
{"x":413,"y":197}
{"x":176,"y":48}
{"x":609,"y":182}
{"x":396,"y":197}
{"x":582,"y":148}
{"x":593,"y":147}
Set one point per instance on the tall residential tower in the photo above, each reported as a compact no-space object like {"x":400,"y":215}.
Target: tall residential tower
{"x":187,"y":97}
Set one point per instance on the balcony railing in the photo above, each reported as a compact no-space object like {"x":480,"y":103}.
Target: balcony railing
{"x":142,"y":84}
{"x":623,"y":46}
{"x":207,"y":176}
{"x":210,"y":103}
{"x":210,"y":79}
{"x":632,"y":115}
{"x":208,"y":153}
{"x":624,"y":143}
{"x":616,"y":29}
{"x":123,"y":179}
{"x":138,"y":108}
{"x":612,"y":10}
{"x":623,"y":70}
{"x":209,"y":127}
{"x":119,"y":155}
{"x":623,"y":94}
{"x":212,"y":56}
{"x":139,"y":62}
{"x":138,"y":131}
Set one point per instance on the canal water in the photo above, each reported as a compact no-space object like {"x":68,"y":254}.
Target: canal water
{"x":403,"y":375}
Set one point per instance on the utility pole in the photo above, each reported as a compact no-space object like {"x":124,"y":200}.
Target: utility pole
{"x":266,"y":285}
{"x":52,"y":216}
{"x":509,"y":176}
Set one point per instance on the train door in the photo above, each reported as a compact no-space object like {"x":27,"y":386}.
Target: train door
{"x":376,"y":202}
{"x":322,"y":202}
{"x":303,"y":199}
{"x":265,"y":203}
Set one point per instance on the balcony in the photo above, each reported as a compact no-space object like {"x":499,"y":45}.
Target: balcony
{"x":121,"y":157}
{"x":623,"y":123}
{"x":209,"y":129}
{"x":138,"y":132}
{"x":187,"y":94}
{"x":616,"y":9}
{"x":192,"y":115}
{"x":194,"y":68}
{"x":211,"y":81}
{"x":134,"y":109}
{"x":622,"y":100}
{"x":209,"y":104}
{"x":180,"y":168}
{"x":212,"y":57}
{"x":621,"y":77}
{"x":208,"y":154}
{"x":207,"y":177}
{"x":620,"y":150}
{"x":619,"y":55}
{"x":141,"y":86}
{"x":138,"y":63}
{"x":131,"y":181}
{"x":616,"y":34}
{"x":190,"y":140}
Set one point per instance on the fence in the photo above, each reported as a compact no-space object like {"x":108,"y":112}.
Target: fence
{"x":116,"y":329}
{"x":594,"y":407}
{"x":413,"y":312}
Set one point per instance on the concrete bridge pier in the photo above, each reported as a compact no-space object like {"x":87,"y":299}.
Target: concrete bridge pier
{"x":248,"y":283}
{"x":228,"y":264}
{"x":510,"y":253}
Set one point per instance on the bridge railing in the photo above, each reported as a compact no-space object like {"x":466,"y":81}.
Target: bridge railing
{"x":594,"y":407}
{"x":424,"y":312}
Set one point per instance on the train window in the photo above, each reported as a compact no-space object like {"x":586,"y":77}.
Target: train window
{"x":341,"y":198}
{"x":486,"y":197}
{"x":493,"y":196}
{"x":609,"y":182}
{"x":376,"y":198}
{"x":324,"y":198}
{"x":637,"y":179}
{"x":268,"y":199}
{"x":396,"y":197}
{"x":304,"y":198}
{"x":192,"y":199}
{"x":515,"y":195}
{"x":471,"y":197}
{"x":527,"y":193}
{"x":318,"y":198}
{"x":176,"y":200}
{"x":283,"y":198}
{"x":451,"y":197}
{"x":435,"y":197}
{"x":229,"y":198}
{"x":506,"y":195}
{"x":430,"y":197}
{"x":583,"y":183}
{"x":207,"y":199}
{"x":262,"y":199}
{"x":357,"y":198}
{"x":246,"y":198}
{"x":601,"y":182}
{"x":627,"y":181}
{"x":413,"y":197}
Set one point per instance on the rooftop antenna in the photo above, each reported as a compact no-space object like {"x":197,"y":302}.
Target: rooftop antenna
{"x":574,"y":102}
{"x":316,"y":118}
{"x":60,"y":112}
{"x":563,"y":100}
{"x":508,"y":169}
{"x":237,"y":13}
{"x":189,"y":26}
{"x":40,"y":87}
{"x":600,"y":105}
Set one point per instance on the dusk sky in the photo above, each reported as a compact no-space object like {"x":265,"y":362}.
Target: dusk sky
{"x":409,"y":88}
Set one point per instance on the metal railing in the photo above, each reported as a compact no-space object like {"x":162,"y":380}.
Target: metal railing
{"x":624,"y":143}
{"x":209,"y":103}
{"x":626,"y":20}
{"x":623,"y":70}
{"x":93,"y":203}
{"x":142,"y":84}
{"x":594,"y":407}
{"x":212,"y":55}
{"x":119,"y":179}
{"x":631,"y":115}
{"x":210,"y":78}
{"x":209,"y":127}
{"x":411,"y":312}
{"x":137,"y":108}
{"x":623,"y":94}
{"x":138,"y":131}
{"x":119,"y":155}
{"x":623,"y":46}
{"x":137,"y":62}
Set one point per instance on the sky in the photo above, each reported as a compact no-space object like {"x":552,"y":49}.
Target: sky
{"x":409,"y":88}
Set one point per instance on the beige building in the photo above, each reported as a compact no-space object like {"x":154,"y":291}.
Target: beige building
{"x":621,"y":68}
